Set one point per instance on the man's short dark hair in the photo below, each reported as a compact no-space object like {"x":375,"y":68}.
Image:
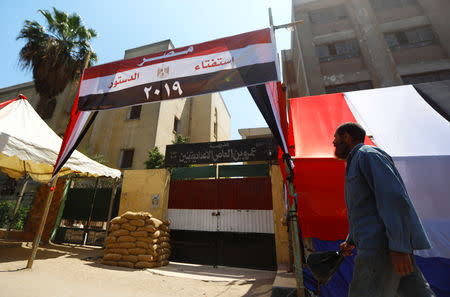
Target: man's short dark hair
{"x":356,"y":132}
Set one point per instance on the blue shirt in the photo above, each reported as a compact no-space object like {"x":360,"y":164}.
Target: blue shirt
{"x":380,"y":213}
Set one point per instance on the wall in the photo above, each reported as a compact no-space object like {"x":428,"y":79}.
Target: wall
{"x":138,"y":186}
{"x":279,"y":211}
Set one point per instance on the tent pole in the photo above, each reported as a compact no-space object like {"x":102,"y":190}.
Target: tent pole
{"x":111,"y":202}
{"x":86,"y":228}
{"x":16,"y":208}
{"x":37,"y":237}
{"x":61,"y":209}
{"x":292,"y":215}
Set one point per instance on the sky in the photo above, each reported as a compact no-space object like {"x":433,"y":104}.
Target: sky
{"x":123,"y":25}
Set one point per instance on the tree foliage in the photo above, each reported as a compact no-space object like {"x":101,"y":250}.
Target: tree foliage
{"x":179,"y":139}
{"x":155,"y":159}
{"x":56,"y":54}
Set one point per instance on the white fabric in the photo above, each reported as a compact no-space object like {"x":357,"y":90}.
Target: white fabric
{"x":230,"y":220}
{"x":427,"y":182}
{"x":400,"y":121}
{"x":27,"y":144}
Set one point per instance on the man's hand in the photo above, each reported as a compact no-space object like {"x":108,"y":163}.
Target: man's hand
{"x":346,"y":248}
{"x":401,"y":262}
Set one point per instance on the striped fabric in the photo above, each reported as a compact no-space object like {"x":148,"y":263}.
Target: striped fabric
{"x":408,"y":122}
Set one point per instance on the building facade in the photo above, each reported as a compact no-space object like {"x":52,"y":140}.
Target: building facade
{"x":124,"y":136}
{"x":347,"y":45}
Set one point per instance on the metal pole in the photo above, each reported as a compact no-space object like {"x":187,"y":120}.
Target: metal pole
{"x":86,"y":231}
{"x":61,"y":209}
{"x":111,"y":202}
{"x":294,"y":234}
{"x":37,"y":237}
{"x":16,"y":208}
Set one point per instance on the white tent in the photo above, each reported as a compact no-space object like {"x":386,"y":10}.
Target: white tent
{"x":29,"y":145}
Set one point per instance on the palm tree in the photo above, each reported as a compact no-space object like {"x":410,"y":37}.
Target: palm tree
{"x":56,"y":54}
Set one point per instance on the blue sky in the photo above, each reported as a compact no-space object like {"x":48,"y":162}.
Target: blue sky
{"x":123,"y":25}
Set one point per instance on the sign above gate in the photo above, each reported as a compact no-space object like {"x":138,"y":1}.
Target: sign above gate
{"x":246,"y":150}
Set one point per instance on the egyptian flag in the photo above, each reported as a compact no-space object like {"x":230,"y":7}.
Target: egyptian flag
{"x":412,"y":124}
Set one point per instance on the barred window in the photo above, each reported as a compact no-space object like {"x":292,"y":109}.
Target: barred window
{"x":134,"y":112}
{"x":126,"y":158}
{"x":339,"y":50}
{"x":380,"y":5}
{"x":417,"y":37}
{"x":328,"y":15}
{"x":363,"y":85}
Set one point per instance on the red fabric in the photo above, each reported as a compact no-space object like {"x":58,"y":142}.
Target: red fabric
{"x":201,"y":49}
{"x":20,"y":96}
{"x":74,"y":115}
{"x":319,"y":177}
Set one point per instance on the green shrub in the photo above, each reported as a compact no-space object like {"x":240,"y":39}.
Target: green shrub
{"x":6,"y":209}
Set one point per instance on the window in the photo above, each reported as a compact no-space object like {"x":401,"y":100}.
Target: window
{"x":349,"y":87}
{"x":417,"y":37}
{"x":134,"y":112}
{"x":380,"y":5}
{"x":339,"y":50}
{"x":126,"y":158}
{"x":176,"y":126}
{"x":426,"y":77}
{"x":47,"y":113}
{"x":328,"y":15}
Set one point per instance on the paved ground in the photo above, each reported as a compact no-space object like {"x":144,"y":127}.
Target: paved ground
{"x":74,"y":271}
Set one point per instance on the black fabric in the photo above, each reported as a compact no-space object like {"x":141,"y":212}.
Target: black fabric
{"x":91,"y":120}
{"x":437,"y":95}
{"x":323,"y":265}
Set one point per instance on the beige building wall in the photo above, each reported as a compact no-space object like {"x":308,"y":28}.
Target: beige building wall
{"x":373,"y":28}
{"x":145,"y":190}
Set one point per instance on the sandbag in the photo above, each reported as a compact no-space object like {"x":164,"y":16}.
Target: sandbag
{"x":109,"y":263}
{"x":116,"y":251}
{"x":130,"y":258}
{"x":138,"y":223}
{"x":165,"y":244}
{"x":114,"y":227}
{"x":155,"y":222}
{"x":126,"y":245}
{"x":146,"y":258}
{"x":142,"y":244}
{"x":139,"y":233}
{"x":119,"y":232}
{"x":119,"y":220}
{"x":155,"y":234}
{"x":129,"y":227}
{"x":147,"y":239}
{"x":148,"y":228}
{"x":126,"y":238}
{"x":110,"y":239}
{"x":137,"y":251}
{"x":125,"y":264}
{"x":112,"y":257}
{"x":144,"y":264}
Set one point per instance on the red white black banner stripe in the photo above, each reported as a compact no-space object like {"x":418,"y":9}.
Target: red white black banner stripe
{"x":242,"y":60}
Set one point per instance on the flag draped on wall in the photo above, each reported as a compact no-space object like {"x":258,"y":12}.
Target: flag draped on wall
{"x":244,"y":60}
{"x":411,"y":123}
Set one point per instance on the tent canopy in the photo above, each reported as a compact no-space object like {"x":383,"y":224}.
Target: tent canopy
{"x":29,"y":145}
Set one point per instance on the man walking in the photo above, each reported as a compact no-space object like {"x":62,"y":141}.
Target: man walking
{"x":384,"y":226}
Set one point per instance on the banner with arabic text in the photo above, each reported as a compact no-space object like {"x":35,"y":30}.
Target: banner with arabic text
{"x":237,"y":61}
{"x":246,"y":150}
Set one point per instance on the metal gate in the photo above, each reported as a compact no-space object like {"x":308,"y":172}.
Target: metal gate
{"x":224,"y":221}
{"x":85,"y":214}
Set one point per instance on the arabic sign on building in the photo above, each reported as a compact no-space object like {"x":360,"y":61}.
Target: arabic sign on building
{"x":237,"y":61}
{"x":247,"y":150}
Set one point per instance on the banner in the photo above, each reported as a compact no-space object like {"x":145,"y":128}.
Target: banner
{"x":237,"y":61}
{"x":255,"y":149}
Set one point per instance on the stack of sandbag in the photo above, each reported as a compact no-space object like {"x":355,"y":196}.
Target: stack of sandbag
{"x":137,"y":240}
